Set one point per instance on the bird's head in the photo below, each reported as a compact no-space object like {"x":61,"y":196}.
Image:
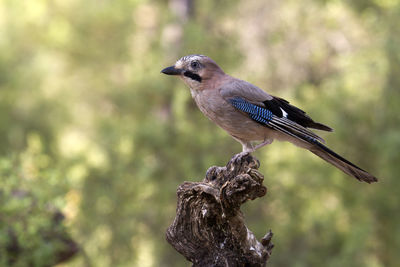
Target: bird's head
{"x":195,"y":70}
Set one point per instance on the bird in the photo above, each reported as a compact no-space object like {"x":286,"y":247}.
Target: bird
{"x":253,"y":117}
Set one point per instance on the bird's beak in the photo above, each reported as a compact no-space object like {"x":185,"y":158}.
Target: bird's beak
{"x":172,"y":71}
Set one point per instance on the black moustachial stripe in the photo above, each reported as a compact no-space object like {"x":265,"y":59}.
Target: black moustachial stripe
{"x":192,"y":75}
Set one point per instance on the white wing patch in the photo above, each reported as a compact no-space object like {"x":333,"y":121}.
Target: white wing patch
{"x":284,"y":113}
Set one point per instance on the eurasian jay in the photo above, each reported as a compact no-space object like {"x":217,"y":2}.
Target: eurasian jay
{"x":249,"y":114}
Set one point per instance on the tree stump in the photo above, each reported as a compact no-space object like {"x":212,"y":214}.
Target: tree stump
{"x":209,"y":228}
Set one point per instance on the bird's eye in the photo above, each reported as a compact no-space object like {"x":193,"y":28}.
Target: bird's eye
{"x":195,"y":64}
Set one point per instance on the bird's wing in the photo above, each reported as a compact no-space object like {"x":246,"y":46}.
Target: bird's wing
{"x":270,"y":111}
{"x":282,"y":107}
{"x":278,"y":106}
{"x":267,"y":118}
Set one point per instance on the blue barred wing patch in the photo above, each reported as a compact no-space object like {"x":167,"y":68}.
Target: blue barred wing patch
{"x":255,"y":112}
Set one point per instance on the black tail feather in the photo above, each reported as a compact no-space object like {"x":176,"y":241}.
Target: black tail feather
{"x":325,"y":153}
{"x":320,"y":126}
{"x":343,"y":164}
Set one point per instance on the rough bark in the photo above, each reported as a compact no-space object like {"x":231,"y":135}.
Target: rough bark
{"x":209,"y":228}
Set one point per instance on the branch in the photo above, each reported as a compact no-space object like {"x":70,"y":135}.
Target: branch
{"x":209,"y":228}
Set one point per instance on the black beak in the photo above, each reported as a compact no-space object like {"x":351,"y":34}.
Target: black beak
{"x":172,"y":71}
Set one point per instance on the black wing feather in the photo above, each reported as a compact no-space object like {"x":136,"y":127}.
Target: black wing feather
{"x":266,"y":117}
{"x":293,"y":113}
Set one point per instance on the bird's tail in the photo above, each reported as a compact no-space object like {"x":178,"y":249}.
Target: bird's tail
{"x":343,"y":164}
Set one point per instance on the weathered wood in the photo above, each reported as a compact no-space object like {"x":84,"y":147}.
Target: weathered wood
{"x":209,"y":228}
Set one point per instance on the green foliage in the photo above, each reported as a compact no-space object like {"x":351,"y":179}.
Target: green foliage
{"x":98,"y":132}
{"x":31,"y":232}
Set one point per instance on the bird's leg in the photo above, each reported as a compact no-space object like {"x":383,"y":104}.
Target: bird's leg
{"x":264,"y":143}
{"x":249,"y":148}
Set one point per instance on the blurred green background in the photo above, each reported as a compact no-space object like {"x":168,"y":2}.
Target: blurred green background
{"x":90,"y":126}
